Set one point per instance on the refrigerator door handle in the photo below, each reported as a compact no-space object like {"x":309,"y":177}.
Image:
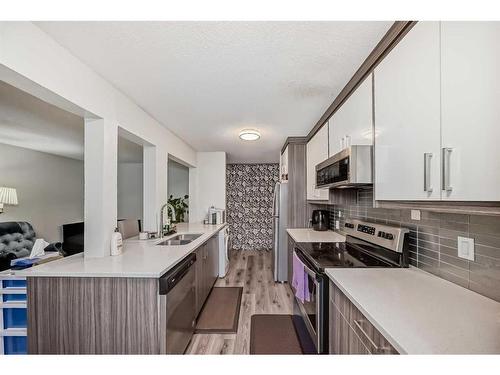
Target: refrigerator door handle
{"x":275,"y":197}
{"x":276,"y":246}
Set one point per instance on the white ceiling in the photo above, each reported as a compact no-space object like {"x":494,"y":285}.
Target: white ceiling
{"x":28,"y":122}
{"x":206,"y":81}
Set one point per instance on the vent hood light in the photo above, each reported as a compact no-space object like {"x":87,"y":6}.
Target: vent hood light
{"x":249,"y":135}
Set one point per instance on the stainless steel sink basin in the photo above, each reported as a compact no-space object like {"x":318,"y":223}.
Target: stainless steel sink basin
{"x":180,"y":239}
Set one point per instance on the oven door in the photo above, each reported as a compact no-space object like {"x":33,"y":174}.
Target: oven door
{"x":312,"y":310}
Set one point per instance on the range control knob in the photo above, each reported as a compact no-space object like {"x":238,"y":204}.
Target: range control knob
{"x":389,"y":236}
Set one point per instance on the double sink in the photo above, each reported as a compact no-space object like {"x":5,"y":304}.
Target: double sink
{"x":180,"y":239}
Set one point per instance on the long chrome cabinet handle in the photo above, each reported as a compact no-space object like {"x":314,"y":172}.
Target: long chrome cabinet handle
{"x":427,"y":172}
{"x":377,"y":349}
{"x":445,"y":162}
{"x":358,"y":325}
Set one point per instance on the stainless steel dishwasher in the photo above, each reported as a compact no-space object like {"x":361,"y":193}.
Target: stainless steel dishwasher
{"x":178,"y":306}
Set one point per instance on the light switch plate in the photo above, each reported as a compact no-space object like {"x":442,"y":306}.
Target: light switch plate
{"x":415,"y":214}
{"x":465,"y":248}
{"x":337,"y":224}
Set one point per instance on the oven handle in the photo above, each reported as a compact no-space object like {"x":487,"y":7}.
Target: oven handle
{"x":306,"y":268}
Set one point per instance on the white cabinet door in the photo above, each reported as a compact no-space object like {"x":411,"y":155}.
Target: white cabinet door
{"x":470,"y":69}
{"x":317,"y":151}
{"x":352,"y":123}
{"x":407,"y":118}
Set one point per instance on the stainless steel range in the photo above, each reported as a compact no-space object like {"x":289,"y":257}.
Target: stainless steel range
{"x":367,"y":245}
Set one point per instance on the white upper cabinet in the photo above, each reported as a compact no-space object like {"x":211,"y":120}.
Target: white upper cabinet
{"x":470,"y":86}
{"x":437,"y":114}
{"x":407,"y":118}
{"x":317,"y":151}
{"x":352,"y":124}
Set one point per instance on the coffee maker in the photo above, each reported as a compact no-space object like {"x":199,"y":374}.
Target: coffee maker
{"x":320,"y":220}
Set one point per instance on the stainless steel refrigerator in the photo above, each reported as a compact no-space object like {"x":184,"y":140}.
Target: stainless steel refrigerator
{"x":280,"y":243}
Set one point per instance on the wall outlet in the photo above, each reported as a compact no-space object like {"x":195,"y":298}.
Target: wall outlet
{"x":337,"y":224}
{"x":415,"y":214}
{"x":465,"y":248}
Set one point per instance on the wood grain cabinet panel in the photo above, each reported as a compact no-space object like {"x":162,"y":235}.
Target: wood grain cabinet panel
{"x":291,"y":245}
{"x":207,"y":270}
{"x":339,"y":332}
{"x":71,"y":315}
{"x":296,"y":171}
{"x":200,"y":279}
{"x":356,"y":345}
{"x":350,"y":331}
{"x":340,"y":300}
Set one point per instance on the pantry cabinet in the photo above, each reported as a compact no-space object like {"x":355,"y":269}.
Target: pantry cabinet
{"x":470,"y":110}
{"x":316,"y":152}
{"x":352,"y":124}
{"x":407,"y":118}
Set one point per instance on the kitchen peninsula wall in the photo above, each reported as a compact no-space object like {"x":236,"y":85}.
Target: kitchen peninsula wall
{"x":433,"y":239}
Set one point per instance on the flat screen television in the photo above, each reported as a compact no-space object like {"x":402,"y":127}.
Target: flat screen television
{"x":73,"y":238}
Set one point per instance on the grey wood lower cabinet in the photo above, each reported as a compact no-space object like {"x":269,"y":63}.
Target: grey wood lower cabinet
{"x":200,"y":278}
{"x":207,"y":270}
{"x":108,"y":315}
{"x":291,"y":245}
{"x":350,"y":331}
{"x":81,"y":315}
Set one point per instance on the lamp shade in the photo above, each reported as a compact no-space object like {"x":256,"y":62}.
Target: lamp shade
{"x":8,"y":195}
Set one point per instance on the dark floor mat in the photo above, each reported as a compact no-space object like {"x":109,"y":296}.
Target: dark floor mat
{"x":274,"y":334}
{"x":221,"y":311}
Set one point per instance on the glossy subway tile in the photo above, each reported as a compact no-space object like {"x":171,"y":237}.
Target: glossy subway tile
{"x":433,"y":241}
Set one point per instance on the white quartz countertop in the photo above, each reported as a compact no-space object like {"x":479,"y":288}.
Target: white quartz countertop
{"x":419,"y":313}
{"x":140,"y":258}
{"x":311,"y":235}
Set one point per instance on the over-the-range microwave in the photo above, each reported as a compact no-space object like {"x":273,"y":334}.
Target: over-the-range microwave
{"x":351,"y":167}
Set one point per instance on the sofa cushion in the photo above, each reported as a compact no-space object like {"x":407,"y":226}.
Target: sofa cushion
{"x":17,"y":238}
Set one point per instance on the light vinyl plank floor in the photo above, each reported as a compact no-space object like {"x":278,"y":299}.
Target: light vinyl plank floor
{"x":261,"y":295}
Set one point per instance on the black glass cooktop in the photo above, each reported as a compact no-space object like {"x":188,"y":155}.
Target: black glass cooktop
{"x":356,"y":254}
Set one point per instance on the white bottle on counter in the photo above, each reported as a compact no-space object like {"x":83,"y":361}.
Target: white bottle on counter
{"x":116,"y":243}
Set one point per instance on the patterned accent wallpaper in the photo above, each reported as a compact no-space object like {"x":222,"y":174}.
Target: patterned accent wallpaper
{"x":249,"y":201}
{"x":433,"y":241}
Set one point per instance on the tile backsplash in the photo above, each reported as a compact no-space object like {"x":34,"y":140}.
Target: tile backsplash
{"x":433,"y":241}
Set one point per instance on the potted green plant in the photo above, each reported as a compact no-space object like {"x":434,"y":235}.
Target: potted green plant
{"x":181,"y":207}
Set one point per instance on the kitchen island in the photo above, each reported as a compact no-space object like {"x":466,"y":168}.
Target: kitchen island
{"x":114,"y":305}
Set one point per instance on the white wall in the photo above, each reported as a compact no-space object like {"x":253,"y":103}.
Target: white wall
{"x":178,"y":179}
{"x":34,"y":62}
{"x":49,"y":189}
{"x":130,"y":191}
{"x":208,"y":187}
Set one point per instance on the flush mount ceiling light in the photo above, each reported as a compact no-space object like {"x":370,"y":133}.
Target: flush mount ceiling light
{"x":249,"y":135}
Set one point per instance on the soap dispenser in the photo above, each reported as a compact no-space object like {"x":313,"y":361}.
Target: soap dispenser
{"x":116,"y":243}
